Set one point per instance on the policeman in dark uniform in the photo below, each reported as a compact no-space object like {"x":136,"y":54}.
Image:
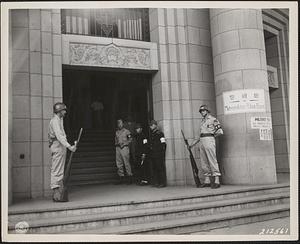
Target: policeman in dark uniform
{"x":141,"y":151}
{"x":157,"y":146}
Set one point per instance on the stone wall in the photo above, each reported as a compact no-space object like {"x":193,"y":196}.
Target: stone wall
{"x":277,"y":53}
{"x":36,"y":85}
{"x":183,"y":83}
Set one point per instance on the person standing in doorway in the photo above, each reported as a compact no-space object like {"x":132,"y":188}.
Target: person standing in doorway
{"x":122,"y":141}
{"x":209,"y":129}
{"x":141,"y":151}
{"x":157,"y":145}
{"x":97,"y":107}
{"x":130,"y":124}
{"x":58,"y":145}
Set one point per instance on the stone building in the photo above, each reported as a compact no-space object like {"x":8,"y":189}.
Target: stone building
{"x":152,"y":64}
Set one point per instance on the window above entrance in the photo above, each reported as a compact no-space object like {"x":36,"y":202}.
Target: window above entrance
{"x":130,"y":24}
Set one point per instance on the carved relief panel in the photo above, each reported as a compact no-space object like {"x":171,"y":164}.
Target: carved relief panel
{"x":89,"y":52}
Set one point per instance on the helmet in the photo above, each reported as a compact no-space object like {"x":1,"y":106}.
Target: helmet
{"x":203,"y":107}
{"x":59,"y":107}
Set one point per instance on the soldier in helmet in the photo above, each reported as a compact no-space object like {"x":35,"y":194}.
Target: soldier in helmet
{"x":209,"y":129}
{"x":123,"y":139}
{"x":58,"y":145}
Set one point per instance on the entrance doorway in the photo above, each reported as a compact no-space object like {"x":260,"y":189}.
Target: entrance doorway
{"x":96,"y":99}
{"x":113,"y":95}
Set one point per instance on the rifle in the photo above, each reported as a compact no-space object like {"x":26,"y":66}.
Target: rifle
{"x":68,"y":168}
{"x":193,"y":162}
{"x":62,"y":194}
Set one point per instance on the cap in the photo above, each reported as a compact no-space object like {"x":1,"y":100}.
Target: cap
{"x":138,"y":125}
{"x":153,"y":122}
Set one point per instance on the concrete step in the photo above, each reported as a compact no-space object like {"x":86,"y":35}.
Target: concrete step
{"x":94,"y":148}
{"x":94,"y":182}
{"x":199,"y":197}
{"x":100,"y":153}
{"x":94,"y":143}
{"x":100,"y":158}
{"x":93,"y":170}
{"x":199,"y":223}
{"x":97,"y":139}
{"x":92,"y":164}
{"x":92,"y":131}
{"x":93,"y":176}
{"x":133,"y":219}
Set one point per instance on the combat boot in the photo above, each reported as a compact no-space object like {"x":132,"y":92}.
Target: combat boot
{"x":205,"y":183}
{"x":129,"y":180}
{"x":213,"y":184}
{"x":120,"y":180}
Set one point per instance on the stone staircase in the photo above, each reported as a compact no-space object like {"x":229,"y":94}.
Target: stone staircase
{"x":169,"y":215}
{"x":94,"y":160}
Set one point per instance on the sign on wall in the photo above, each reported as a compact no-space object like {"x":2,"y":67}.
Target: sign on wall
{"x":261,"y":123}
{"x":265,"y":134}
{"x":264,"y":124}
{"x":244,"y":101}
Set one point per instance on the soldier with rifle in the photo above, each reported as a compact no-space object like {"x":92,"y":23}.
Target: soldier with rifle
{"x":58,"y":145}
{"x":209,"y":129}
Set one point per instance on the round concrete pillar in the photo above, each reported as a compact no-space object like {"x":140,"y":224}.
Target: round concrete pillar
{"x":240,"y":72}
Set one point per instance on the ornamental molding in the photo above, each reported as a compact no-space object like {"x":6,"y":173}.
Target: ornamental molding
{"x":109,"y":56}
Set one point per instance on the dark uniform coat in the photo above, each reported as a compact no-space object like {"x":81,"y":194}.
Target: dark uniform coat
{"x":157,"y":147}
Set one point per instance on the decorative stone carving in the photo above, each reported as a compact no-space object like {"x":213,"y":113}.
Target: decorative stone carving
{"x":109,"y":56}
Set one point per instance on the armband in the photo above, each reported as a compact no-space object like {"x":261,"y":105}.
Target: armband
{"x":162,"y":140}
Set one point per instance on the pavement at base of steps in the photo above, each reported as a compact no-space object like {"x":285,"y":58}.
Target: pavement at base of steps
{"x":268,"y":227}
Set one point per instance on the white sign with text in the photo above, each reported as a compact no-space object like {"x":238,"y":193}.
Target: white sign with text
{"x":261,"y":123}
{"x":244,"y":101}
{"x":265,"y":134}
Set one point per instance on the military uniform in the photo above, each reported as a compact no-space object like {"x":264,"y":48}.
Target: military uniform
{"x":122,"y":141}
{"x":157,"y":146}
{"x":141,"y":147}
{"x":209,"y":128}
{"x":58,"y":145}
{"x":129,"y":125}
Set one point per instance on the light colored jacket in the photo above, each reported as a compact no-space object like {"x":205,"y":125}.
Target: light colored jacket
{"x":56,"y":131}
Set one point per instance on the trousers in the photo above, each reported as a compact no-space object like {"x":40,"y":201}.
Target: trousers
{"x":122,"y":159}
{"x":58,"y":159}
{"x":158,"y":170}
{"x":208,"y":157}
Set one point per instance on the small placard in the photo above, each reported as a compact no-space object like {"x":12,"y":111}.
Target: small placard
{"x":261,"y":123}
{"x":265,"y":134}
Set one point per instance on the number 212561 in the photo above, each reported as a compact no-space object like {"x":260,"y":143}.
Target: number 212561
{"x":273,"y":231}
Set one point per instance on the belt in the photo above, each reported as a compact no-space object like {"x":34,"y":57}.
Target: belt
{"x":206,"y":135}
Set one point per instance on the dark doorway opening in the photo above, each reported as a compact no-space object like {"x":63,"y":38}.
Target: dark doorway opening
{"x":119,"y":95}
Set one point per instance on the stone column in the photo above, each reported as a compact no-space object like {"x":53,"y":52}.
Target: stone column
{"x":36,"y":86}
{"x":240,"y":63}
{"x":183,"y":82}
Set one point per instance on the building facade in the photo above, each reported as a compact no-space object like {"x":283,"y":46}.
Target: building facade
{"x":234,"y":60}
